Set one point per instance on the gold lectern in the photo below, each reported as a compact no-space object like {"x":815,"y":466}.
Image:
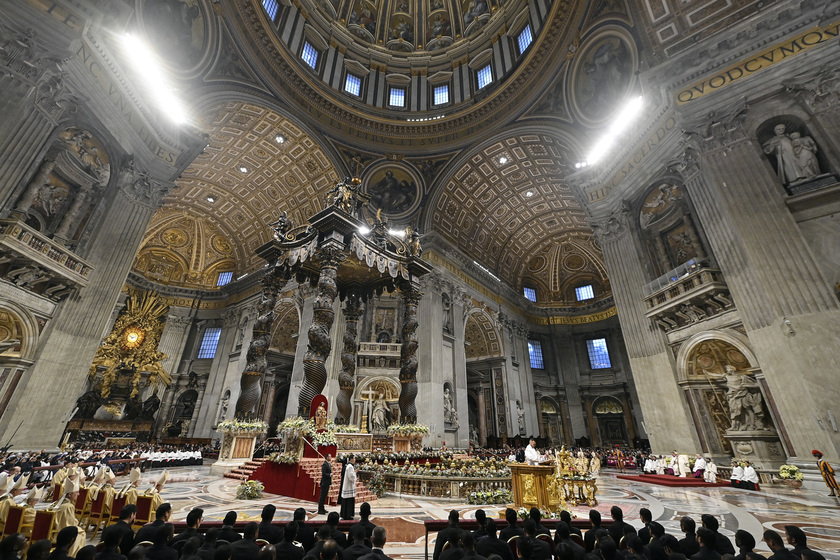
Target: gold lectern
{"x":534,"y":486}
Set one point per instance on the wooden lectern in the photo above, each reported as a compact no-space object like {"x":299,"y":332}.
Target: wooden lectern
{"x":534,"y":486}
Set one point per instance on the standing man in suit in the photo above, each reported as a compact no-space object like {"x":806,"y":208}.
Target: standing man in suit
{"x":326,"y":481}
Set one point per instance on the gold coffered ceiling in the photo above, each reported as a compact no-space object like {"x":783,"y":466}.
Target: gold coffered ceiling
{"x":289,"y":176}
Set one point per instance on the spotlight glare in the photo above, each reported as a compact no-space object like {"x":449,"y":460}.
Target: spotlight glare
{"x":622,"y":120}
{"x":211,"y":198}
{"x":279,"y":138}
{"x":243,"y":169}
{"x":503,"y":160}
{"x":146,"y":64}
{"x":364,"y":230}
{"x":396,"y":232}
{"x":529,"y":194}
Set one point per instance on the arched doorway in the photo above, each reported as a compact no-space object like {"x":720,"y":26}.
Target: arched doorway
{"x":368,"y":393}
{"x":610,"y":421}
{"x":182,"y":413}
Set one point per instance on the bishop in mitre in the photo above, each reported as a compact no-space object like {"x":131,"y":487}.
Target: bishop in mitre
{"x":130,"y":491}
{"x":65,"y":514}
{"x":12,"y":489}
{"x":32,"y":498}
{"x":155,"y":491}
{"x":108,"y":490}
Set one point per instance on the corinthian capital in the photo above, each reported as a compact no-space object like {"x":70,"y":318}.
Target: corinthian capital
{"x":613,"y":227}
{"x":719,"y":128}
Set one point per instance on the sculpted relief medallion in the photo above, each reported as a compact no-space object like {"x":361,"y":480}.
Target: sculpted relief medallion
{"x":602,"y":76}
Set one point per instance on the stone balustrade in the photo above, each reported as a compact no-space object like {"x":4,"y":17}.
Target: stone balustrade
{"x":39,"y":264}
{"x":441,"y":487}
{"x":687,"y":295}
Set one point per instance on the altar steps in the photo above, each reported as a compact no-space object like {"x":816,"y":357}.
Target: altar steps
{"x":244,"y":472}
{"x":312,"y":467}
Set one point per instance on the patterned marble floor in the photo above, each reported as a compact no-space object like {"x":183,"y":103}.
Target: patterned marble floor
{"x":403,"y":516}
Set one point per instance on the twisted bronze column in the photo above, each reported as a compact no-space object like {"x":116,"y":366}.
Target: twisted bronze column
{"x":347,"y":377}
{"x":318,"y":347}
{"x":256,"y":366}
{"x":408,"y":353}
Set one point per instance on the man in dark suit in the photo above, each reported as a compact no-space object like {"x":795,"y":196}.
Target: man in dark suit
{"x":364,"y":513}
{"x":147,"y":531}
{"x":706,"y":540}
{"x":335,"y":534}
{"x":111,"y":538}
{"x":689,"y":545}
{"x":722,"y":543}
{"x":563,"y":535}
{"x":246,"y":548}
{"x":491,"y":544}
{"x":194,"y":518}
{"x":123,"y":527}
{"x":323,"y":536}
{"x":589,"y":537}
{"x":774,"y":542}
{"x":443,"y":536}
{"x":378,"y":538}
{"x":541,"y":549}
{"x":227,"y":532}
{"x":512,"y":530}
{"x":536,"y":515}
{"x":616,"y":529}
{"x":305,"y":533}
{"x":645,"y":516}
{"x":326,"y":481}
{"x":358,"y":548}
{"x":288,"y":548}
{"x":269,"y":532}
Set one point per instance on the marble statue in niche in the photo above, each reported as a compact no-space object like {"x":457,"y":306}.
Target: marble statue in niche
{"x":447,"y":313}
{"x":520,"y":417}
{"x":743,"y":395}
{"x":450,"y":415}
{"x":795,"y":155}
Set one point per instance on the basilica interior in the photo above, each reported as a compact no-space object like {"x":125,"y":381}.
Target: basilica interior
{"x":627,"y":215}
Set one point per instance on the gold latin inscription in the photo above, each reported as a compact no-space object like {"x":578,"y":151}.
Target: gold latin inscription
{"x":752,"y":65}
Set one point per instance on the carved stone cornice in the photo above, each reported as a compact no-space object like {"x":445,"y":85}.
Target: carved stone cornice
{"x":178,"y":322}
{"x":719,"y":129}
{"x":140,"y":188}
{"x":819,"y":92}
{"x":613,"y":227}
{"x":230,"y":317}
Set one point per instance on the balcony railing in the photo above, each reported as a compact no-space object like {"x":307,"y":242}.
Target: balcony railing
{"x":35,"y":262}
{"x":690,"y":293}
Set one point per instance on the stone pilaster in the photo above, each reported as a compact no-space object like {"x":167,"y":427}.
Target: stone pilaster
{"x":565,"y":351}
{"x":787,"y":307}
{"x":67,"y":347}
{"x":668,"y":424}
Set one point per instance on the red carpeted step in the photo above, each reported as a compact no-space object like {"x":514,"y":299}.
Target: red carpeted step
{"x":673,"y":481}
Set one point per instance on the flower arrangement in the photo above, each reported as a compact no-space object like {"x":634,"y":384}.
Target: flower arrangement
{"x":376,"y":484}
{"x":287,"y":458}
{"x":255,"y":426}
{"x":407,"y":429}
{"x":457,"y":468}
{"x":320,"y":439}
{"x":347,"y":429}
{"x":294,"y":425}
{"x":790,"y":472}
{"x":500,"y":496}
{"x":250,"y":490}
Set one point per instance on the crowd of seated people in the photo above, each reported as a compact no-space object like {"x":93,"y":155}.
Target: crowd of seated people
{"x":157,"y":540}
{"x":530,"y":540}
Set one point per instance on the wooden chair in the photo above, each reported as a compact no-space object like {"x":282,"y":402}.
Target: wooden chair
{"x":42,"y":528}
{"x":547,"y":539}
{"x":144,"y":544}
{"x":116,"y":508}
{"x":14,"y":520}
{"x":222,"y":542}
{"x":622,"y":544}
{"x":144,"y":511}
{"x":81,"y":503}
{"x":261,"y":542}
{"x":96,"y":516}
{"x":577,"y":539}
{"x":512,"y":544}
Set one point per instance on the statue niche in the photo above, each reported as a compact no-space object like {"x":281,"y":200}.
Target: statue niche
{"x":792,"y":152}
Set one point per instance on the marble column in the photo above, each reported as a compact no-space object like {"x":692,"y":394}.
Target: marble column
{"x":408,"y":353}
{"x":69,"y":343}
{"x":70,"y":221}
{"x":788,"y":309}
{"x":31,"y":192}
{"x":304,"y":298}
{"x":250,"y":383}
{"x":318,"y":335}
{"x":482,"y":417}
{"x":347,"y":376}
{"x":565,"y":352}
{"x":668,"y":424}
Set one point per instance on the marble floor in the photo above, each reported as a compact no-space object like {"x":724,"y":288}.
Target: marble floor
{"x":403,"y":516}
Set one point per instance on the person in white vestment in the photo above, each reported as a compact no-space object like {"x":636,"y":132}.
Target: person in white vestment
{"x":737,"y":474}
{"x":710,"y":475}
{"x":699,"y":466}
{"x":682,"y":461}
{"x":532,"y":456}
{"x":750,"y":480}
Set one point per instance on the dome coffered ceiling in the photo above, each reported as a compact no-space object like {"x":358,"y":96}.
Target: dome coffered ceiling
{"x":246,"y":177}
